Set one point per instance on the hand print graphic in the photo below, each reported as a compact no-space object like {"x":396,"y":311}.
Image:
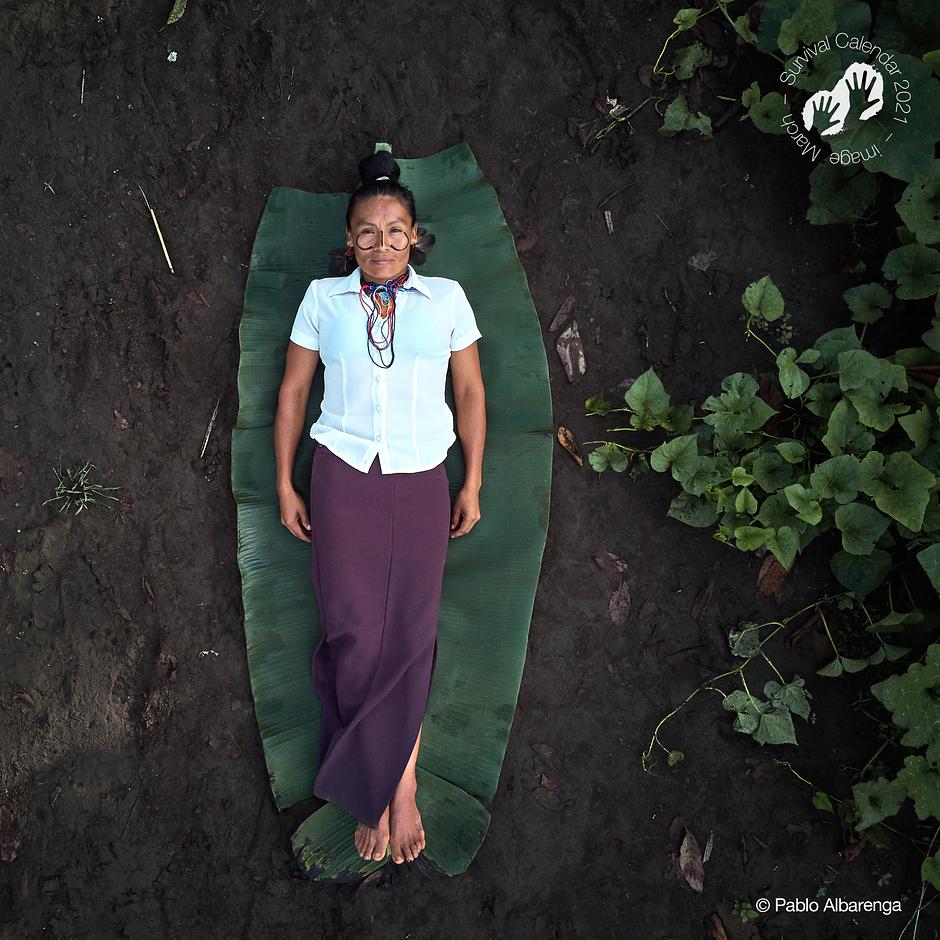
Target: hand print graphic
{"x":857,"y":96}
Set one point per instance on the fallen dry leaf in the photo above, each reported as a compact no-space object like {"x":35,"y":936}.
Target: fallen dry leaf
{"x":677,"y":832}
{"x":770,"y":577}
{"x":526,"y":242}
{"x":570,"y":351}
{"x":608,"y":561}
{"x":852,"y":850}
{"x":690,"y":862}
{"x":548,"y":754}
{"x":620,"y":604}
{"x":716,"y":929}
{"x":550,"y":791}
{"x":563,"y":313}
{"x":24,"y":697}
{"x":567,"y":440}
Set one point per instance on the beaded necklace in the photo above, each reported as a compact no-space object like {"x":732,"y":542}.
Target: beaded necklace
{"x":380,"y":309}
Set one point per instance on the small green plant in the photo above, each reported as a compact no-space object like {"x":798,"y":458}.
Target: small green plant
{"x":73,"y":489}
{"x":744,"y":911}
{"x":768,"y":720}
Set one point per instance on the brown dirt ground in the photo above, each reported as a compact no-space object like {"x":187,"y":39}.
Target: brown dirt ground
{"x":135,"y":769}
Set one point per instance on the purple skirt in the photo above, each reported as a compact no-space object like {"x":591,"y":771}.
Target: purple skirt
{"x":379,"y":542}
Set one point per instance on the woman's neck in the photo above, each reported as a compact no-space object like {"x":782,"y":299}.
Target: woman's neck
{"x":400,"y":278}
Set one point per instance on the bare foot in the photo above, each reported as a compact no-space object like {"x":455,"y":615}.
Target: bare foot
{"x":407,"y":835}
{"x":372,"y":841}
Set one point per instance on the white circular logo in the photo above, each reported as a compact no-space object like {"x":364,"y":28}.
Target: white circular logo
{"x":861,"y":92}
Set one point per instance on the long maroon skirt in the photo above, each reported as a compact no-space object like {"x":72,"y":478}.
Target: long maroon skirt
{"x":379,"y":542}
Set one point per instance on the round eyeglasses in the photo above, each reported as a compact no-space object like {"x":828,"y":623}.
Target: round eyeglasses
{"x":397,"y":240}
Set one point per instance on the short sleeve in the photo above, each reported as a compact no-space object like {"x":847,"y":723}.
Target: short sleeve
{"x":463,"y":324}
{"x":306,"y":329}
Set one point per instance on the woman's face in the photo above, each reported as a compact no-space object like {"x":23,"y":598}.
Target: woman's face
{"x":383,"y":223}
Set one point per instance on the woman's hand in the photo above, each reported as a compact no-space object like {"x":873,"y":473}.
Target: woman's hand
{"x":466,"y":511}
{"x":294,"y":514}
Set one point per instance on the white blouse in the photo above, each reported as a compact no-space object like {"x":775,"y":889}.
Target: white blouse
{"x":398,"y":413}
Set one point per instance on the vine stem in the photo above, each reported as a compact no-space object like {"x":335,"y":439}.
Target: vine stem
{"x":749,"y":332}
{"x":923,"y":887}
{"x":809,"y":783}
{"x":724,"y":9}
{"x":822,"y":617}
{"x":672,"y":35}
{"x":635,"y":450}
{"x":871,"y":760}
{"x":772,"y":666}
{"x":738,"y":670}
{"x":620,"y":118}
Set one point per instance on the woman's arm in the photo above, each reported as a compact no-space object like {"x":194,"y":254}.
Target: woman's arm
{"x":470,"y":399}
{"x":294,"y":393}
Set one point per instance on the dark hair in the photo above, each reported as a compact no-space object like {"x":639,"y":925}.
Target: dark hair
{"x":381,"y":163}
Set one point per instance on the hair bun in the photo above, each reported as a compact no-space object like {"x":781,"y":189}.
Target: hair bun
{"x":377,"y":166}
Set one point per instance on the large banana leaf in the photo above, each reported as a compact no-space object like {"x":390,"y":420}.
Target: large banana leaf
{"x":490,"y":575}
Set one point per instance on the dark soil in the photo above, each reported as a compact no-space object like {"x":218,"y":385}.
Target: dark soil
{"x":132,"y":764}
